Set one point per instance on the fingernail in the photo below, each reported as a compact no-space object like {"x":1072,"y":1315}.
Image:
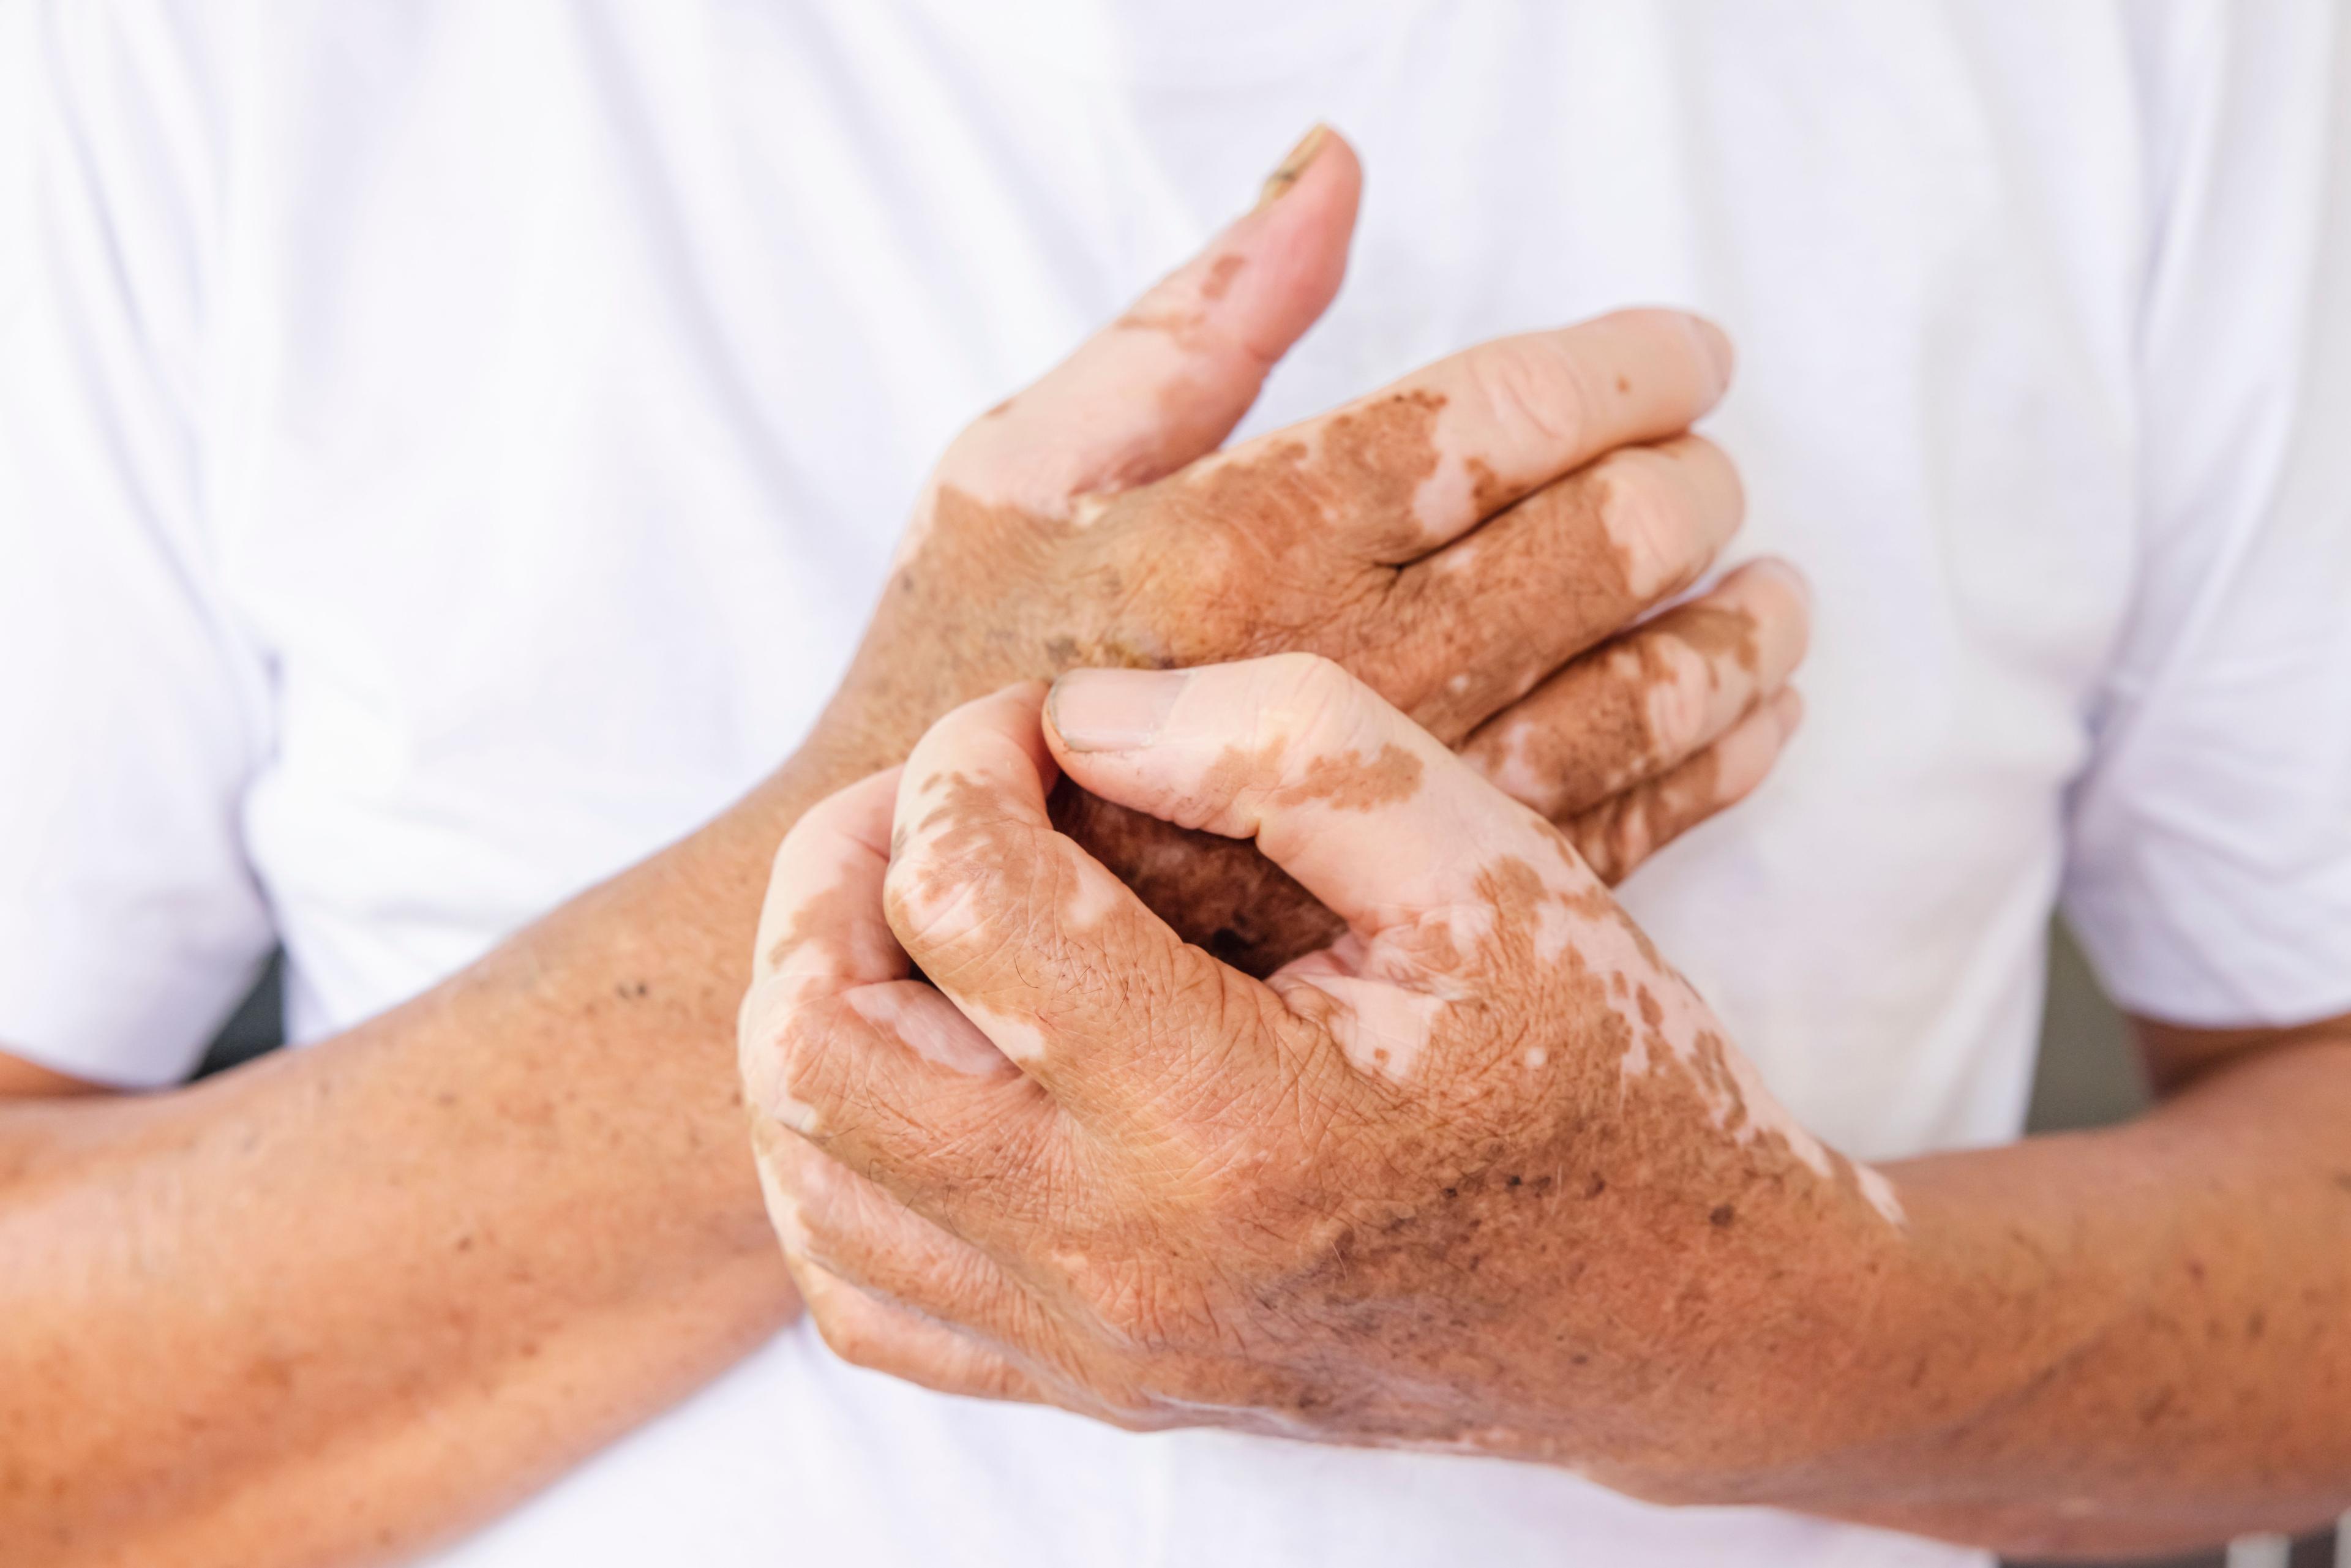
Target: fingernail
{"x":1293,"y":167}
{"x":1112,"y":710}
{"x":1719,"y":352}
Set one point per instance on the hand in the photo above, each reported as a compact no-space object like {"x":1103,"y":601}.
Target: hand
{"x":1453,"y":539}
{"x":1484,"y":1174}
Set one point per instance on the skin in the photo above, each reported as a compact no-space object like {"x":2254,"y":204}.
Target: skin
{"x":1484,"y":1174}
{"x":349,"y":1301}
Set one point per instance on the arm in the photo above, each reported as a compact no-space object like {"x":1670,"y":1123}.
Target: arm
{"x":355,"y":1297}
{"x":1486,"y":1174}
{"x":2136,"y":1338}
{"x":352,"y":1299}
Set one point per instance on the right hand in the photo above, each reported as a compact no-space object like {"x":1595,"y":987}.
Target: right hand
{"x":1453,"y":539}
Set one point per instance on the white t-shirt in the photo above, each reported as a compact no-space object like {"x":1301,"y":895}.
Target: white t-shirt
{"x":446,"y":450}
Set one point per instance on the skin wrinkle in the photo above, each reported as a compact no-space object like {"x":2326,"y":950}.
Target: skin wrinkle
{"x":1278,"y":544}
{"x":1329,"y":538}
{"x":1247,"y":516}
{"x":1389,"y":1247}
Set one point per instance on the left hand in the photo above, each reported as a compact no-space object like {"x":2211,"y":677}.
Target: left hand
{"x":1484,"y":1174}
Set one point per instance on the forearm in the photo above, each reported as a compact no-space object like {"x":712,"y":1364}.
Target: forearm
{"x":361,"y":1295}
{"x":2121,"y":1342}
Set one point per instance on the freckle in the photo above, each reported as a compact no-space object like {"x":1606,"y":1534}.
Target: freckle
{"x":1596,"y":1186}
{"x":1623,"y":384}
{"x":1722,"y":1215}
{"x":1651,"y":1013}
{"x":1001,"y":409}
{"x":1451,"y":1193}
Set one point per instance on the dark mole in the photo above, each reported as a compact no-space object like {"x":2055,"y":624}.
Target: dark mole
{"x":630,"y":990}
{"x":1511,"y":1181}
{"x":1720,"y":1214}
{"x":1596,"y":1186}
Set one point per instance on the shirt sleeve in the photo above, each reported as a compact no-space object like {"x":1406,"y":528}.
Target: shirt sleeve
{"x":2210,"y":864}
{"x":130,"y":718}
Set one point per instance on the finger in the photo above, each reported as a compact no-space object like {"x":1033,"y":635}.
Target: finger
{"x":1401,"y":471}
{"x":1056,"y":960}
{"x":1366,"y":810}
{"x":838,"y":1043}
{"x":860,"y":1328}
{"x":819,"y":915}
{"x":1568,"y":566}
{"x":1651,"y":699}
{"x":1439,"y":876}
{"x":1169,"y":379}
{"x":867,"y":1331}
{"x":1615,"y":836}
{"x":930,"y":1304}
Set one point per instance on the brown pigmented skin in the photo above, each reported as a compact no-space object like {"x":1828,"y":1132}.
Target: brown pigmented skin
{"x":1484,"y":1253}
{"x":1232,"y":557}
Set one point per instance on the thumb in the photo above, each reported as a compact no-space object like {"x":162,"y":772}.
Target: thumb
{"x":1167,"y":382}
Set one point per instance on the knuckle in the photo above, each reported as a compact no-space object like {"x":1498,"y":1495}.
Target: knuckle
{"x":1637,"y":508}
{"x":1535,"y":389}
{"x":1680,"y":702}
{"x":853,"y":1335}
{"x":1308,"y":690}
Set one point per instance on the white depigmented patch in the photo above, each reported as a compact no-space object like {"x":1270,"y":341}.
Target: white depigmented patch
{"x":1384,"y":1028}
{"x":929,"y":1025}
{"x":1676,"y":708}
{"x":1608,"y":948}
{"x":1880,"y":1193}
{"x":762,"y":1027}
{"x":1537,"y":1056}
{"x":1556,"y":928}
{"x":1444,"y":500}
{"x":918,"y":529}
{"x":1457,"y":684}
{"x":1764,"y":1112}
{"x":1020,"y":1040}
{"x":1092,"y":895}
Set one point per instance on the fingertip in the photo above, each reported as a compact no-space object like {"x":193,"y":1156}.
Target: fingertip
{"x":1788,"y":712}
{"x":1291,"y":248}
{"x":1779,"y":598}
{"x":1716,"y":348}
{"x":969,"y":736}
{"x":1788,"y":572}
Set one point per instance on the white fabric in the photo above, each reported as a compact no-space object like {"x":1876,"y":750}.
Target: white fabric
{"x":446,"y":449}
